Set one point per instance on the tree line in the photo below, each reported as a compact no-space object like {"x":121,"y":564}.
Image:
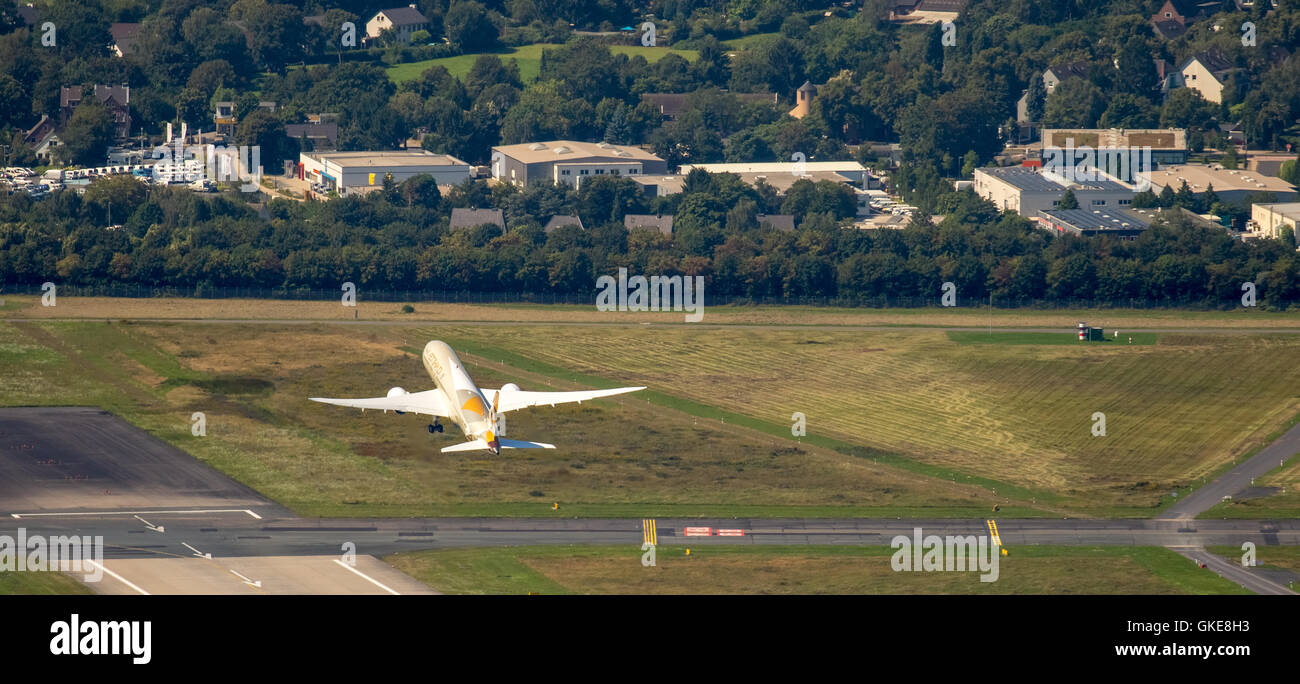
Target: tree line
{"x":398,"y":238}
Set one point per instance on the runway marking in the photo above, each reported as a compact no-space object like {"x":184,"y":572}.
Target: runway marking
{"x":993,"y":532}
{"x":135,"y":513}
{"x":118,"y":577}
{"x":366,"y":577}
{"x":249,"y":582}
{"x":649,"y":532}
{"x":196,"y":551}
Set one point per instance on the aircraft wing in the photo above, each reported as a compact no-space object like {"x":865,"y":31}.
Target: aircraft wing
{"x":429,"y":403}
{"x":519,"y":399}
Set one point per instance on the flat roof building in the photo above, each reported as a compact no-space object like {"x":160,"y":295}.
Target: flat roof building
{"x":1119,"y":223}
{"x":849,"y":169}
{"x":342,"y":171}
{"x":1267,"y":220}
{"x":570,"y":162}
{"x":1231,"y":185}
{"x":1028,"y":191}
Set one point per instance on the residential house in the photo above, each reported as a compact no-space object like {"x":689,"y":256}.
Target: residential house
{"x":1052,"y":76}
{"x":560,"y":220}
{"x":403,"y":21}
{"x":657,"y":222}
{"x":226,"y":119}
{"x":116,"y":99}
{"x":124,"y":37}
{"x":1206,"y":73}
{"x":470,"y":218}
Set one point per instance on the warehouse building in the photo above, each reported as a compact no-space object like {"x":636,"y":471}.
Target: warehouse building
{"x":1268,"y":220}
{"x":1231,"y":185}
{"x":351,"y":172}
{"x":569,"y":162}
{"x":1028,"y":191}
{"x":1118,"y":223}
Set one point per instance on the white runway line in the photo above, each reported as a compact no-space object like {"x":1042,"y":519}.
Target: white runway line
{"x":366,"y":577}
{"x":119,"y":578}
{"x":71,"y":513}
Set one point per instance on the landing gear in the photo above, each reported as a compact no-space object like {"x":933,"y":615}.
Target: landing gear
{"x":435,"y":427}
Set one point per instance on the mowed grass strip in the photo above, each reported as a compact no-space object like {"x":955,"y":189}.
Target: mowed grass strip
{"x":40,"y":583}
{"x":785,"y":569}
{"x":1267,"y":558}
{"x":1176,"y":412}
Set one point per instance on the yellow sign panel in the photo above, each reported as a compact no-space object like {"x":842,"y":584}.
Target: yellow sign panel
{"x":372,"y":179}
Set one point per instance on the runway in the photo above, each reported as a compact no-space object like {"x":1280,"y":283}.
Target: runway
{"x":170,"y":524}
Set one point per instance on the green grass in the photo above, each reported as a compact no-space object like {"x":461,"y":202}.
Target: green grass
{"x":1012,"y":418}
{"x":528,"y":57}
{"x":44,"y":583}
{"x":900,"y":422}
{"x":617,"y":457}
{"x":791,"y":569}
{"x":1266,"y":558}
{"x":1070,"y":338}
{"x":750,"y":41}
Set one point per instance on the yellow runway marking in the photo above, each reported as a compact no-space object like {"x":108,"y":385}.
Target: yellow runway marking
{"x":993,"y":533}
{"x":648,"y":531}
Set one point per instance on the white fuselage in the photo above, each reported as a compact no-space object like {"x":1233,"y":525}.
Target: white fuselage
{"x":469,"y":409}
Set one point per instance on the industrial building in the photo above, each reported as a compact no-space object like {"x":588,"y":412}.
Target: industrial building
{"x":1028,"y":191}
{"x":851,"y":171}
{"x":1120,"y":223}
{"x":570,"y":162}
{"x":1231,"y":185}
{"x":1268,"y":220}
{"x":345,"y":172}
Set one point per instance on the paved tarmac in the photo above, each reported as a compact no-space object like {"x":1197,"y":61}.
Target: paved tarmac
{"x":166,"y":513}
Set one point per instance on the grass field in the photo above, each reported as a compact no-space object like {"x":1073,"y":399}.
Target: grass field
{"x":1175,"y":412}
{"x":26,"y":306}
{"x":750,"y":41}
{"x":763,"y":569}
{"x":618,"y":457}
{"x":528,"y":57}
{"x":1283,"y":501}
{"x":17,"y":583}
{"x":901,"y":420}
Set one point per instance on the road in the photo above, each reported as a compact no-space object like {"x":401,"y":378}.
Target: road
{"x":1238,"y":479}
{"x":169,"y":523}
{"x":1235,"y":572}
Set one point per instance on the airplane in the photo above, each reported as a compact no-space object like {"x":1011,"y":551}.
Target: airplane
{"x":458,"y":399}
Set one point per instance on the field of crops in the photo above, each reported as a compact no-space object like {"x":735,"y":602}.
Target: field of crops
{"x":1174,"y":412}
